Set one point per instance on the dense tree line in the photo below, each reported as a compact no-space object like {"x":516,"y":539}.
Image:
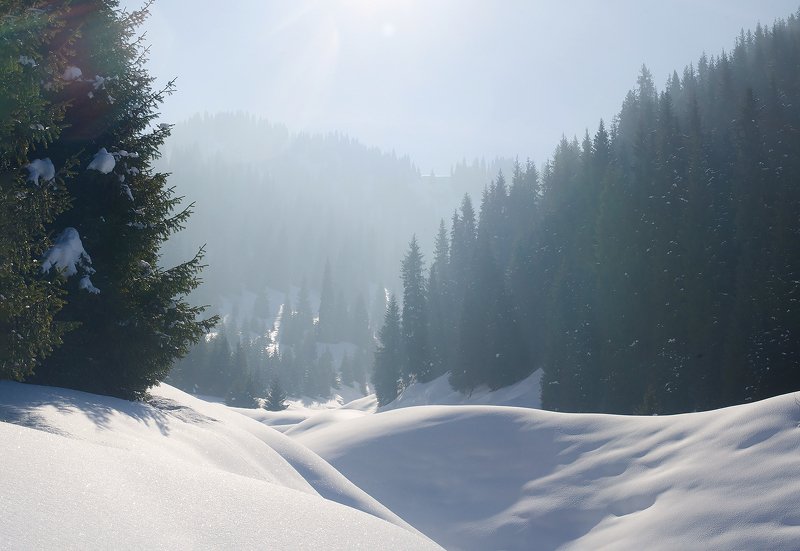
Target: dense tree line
{"x":83,"y":302}
{"x":287,"y":351}
{"x":651,"y":267}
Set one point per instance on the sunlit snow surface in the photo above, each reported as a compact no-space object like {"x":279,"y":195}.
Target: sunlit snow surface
{"x":81,"y":471}
{"x":84,"y":471}
{"x":488,"y":477}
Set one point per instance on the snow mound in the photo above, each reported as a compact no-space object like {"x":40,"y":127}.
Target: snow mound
{"x":302,"y":410}
{"x":87,"y":471}
{"x":525,"y":393}
{"x":103,"y":161}
{"x":485,"y":477}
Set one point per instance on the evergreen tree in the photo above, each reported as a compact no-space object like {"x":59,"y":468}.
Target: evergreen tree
{"x":31,"y":188}
{"x":415,"y":316}
{"x":326,"y":328}
{"x":359,"y":332}
{"x":241,"y":392}
{"x":130,"y":316}
{"x":276,"y":397}
{"x":388,"y":355}
{"x":442,"y":330}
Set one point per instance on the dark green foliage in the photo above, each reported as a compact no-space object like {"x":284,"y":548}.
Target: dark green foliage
{"x":128,"y":334}
{"x":242,"y":389}
{"x":276,"y":397}
{"x":417,"y":363}
{"x":388,"y":356}
{"x":31,"y":118}
{"x":441,"y":329}
{"x":73,"y":86}
{"x":654,"y":266}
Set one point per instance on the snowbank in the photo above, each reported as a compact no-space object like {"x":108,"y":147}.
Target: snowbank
{"x":87,"y":471}
{"x":484,"y":477}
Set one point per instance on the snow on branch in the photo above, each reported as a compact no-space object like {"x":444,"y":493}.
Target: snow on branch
{"x":67,"y":255}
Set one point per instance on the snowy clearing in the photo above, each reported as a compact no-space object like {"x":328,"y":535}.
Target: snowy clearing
{"x":487,"y":477}
{"x":86,"y":471}
{"x":90,"y":471}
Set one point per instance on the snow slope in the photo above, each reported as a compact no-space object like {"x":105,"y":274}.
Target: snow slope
{"x":485,"y":477}
{"x":84,"y":471}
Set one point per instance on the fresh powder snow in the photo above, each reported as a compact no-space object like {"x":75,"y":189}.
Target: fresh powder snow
{"x":202,"y":475}
{"x":490,"y":477}
{"x":82,"y":471}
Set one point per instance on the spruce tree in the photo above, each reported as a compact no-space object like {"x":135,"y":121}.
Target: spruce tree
{"x":131,"y":317}
{"x":326,"y":328}
{"x":388,"y":356}
{"x":31,"y":185}
{"x":441,"y":325}
{"x":276,"y":396}
{"x":415,"y":316}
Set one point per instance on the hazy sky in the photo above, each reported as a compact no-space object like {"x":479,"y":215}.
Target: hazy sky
{"x":436,"y":79}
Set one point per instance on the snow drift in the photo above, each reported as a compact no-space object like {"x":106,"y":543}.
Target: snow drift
{"x":87,"y":471}
{"x":484,"y":477}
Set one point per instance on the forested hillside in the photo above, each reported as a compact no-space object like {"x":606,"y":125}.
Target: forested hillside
{"x":654,"y":265}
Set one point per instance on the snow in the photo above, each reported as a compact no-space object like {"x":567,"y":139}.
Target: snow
{"x":72,"y":73}
{"x":103,"y":161}
{"x":41,"y":168}
{"x":126,"y":190}
{"x":67,"y":254}
{"x":85,"y":471}
{"x":489,"y":477}
{"x":86,"y":283}
{"x":525,"y":393}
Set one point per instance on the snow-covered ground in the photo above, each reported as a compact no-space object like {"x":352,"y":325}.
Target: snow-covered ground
{"x":488,"y":477}
{"x":81,"y":471}
{"x":84,"y":471}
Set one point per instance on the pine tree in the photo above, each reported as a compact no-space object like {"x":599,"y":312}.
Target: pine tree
{"x":359,"y":333}
{"x":276,"y":396}
{"x":326,"y":328}
{"x":442,"y":329}
{"x":388,"y":355}
{"x":132,"y":320}
{"x":31,"y":185}
{"x":241,"y":392}
{"x":415,"y":316}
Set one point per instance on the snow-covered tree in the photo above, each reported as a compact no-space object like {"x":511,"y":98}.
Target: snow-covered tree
{"x":31,"y":184}
{"x":129,"y":316}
